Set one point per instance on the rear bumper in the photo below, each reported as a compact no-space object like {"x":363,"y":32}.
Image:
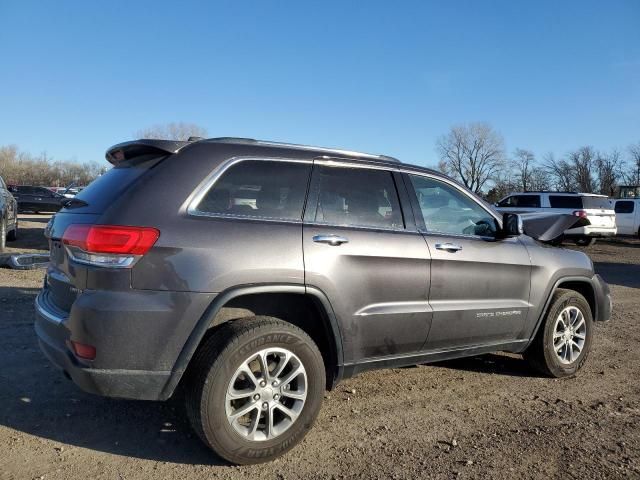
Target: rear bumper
{"x":137,"y":338}
{"x":591,"y":231}
{"x":604,"y":304}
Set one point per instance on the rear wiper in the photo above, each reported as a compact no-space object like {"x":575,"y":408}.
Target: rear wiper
{"x":74,"y":203}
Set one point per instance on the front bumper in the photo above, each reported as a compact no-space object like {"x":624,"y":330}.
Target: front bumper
{"x":138,"y":336}
{"x":604,"y":304}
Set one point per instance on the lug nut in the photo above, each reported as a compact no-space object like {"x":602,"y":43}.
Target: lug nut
{"x":256,"y":396}
{"x":276,"y":396}
{"x":274,"y":383}
{"x":265,"y":405}
{"x":263,"y":383}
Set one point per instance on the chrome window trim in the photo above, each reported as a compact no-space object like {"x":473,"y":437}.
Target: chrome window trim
{"x":339,"y":163}
{"x":468,"y":194}
{"x":209,"y":181}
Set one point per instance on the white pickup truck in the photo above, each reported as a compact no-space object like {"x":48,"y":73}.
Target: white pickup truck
{"x":628,"y":216}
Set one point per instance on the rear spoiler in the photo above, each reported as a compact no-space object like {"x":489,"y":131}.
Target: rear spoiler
{"x":128,"y":150}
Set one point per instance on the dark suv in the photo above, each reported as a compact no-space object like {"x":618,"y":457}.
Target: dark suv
{"x":257,"y":274}
{"x":8,"y":216}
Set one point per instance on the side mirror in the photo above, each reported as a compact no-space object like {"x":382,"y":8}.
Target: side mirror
{"x":512,"y":225}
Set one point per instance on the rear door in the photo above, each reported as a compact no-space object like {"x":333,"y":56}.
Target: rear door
{"x":625,"y":217}
{"x":479,"y":285}
{"x":364,"y":252}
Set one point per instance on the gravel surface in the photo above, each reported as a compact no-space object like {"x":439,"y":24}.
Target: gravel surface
{"x":483,"y":417}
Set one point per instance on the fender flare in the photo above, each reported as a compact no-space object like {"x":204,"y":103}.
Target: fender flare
{"x":555,"y":287}
{"x":203,"y":325}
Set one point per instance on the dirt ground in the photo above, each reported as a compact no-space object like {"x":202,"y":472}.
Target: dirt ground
{"x":484,"y":417}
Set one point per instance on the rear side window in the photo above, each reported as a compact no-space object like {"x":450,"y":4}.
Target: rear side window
{"x":261,"y":189}
{"x":528,"y":201}
{"x":625,"y":206}
{"x":357,"y":197}
{"x":565,"y":201}
{"x":105,"y":189}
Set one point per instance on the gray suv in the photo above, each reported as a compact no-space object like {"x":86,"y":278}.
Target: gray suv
{"x":255,"y":275}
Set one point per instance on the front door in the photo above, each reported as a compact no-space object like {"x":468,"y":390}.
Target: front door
{"x":366,"y":255}
{"x":479,"y":285}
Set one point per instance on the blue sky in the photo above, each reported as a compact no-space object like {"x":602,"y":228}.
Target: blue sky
{"x":384,"y":77}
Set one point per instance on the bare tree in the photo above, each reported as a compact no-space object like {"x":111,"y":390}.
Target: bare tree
{"x":610,"y":170}
{"x":539,"y":179}
{"x":583,"y":161}
{"x":172,"y":131}
{"x":524,"y":161}
{"x":634,"y":152}
{"x":473,"y":153}
{"x":561,"y":173}
{"x":21,"y":168}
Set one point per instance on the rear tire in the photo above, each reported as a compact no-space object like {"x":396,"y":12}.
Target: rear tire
{"x":563,"y":341}
{"x":218,"y":390}
{"x":585,"y":241}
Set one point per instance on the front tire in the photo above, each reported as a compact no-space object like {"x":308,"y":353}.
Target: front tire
{"x":563,"y":341}
{"x":585,"y":241}
{"x":255,"y":389}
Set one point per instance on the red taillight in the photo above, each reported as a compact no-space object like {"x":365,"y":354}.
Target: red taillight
{"x":580,"y":213}
{"x":113,"y":239}
{"x":88,"y":352}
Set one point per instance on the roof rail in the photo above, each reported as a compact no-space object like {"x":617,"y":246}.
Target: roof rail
{"x":334,"y":151}
{"x":544,"y":191}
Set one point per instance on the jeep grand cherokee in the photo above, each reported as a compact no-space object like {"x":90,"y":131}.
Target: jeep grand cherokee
{"x":257,"y":274}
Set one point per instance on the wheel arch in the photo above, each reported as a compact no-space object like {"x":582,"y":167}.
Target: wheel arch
{"x":582,"y":285}
{"x":306,"y":307}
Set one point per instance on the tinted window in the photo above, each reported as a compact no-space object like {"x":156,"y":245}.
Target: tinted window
{"x":625,"y":206}
{"x":530,"y":201}
{"x":565,"y":201}
{"x":259,"y":188}
{"x":445,"y":209}
{"x":596,"y":203}
{"x":42,"y":192}
{"x":105,"y":189}
{"x":358,"y":197}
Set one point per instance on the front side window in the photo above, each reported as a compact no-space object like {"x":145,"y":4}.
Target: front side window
{"x":625,"y":206}
{"x":357,"y":197}
{"x":259,"y":188}
{"x":445,"y":209}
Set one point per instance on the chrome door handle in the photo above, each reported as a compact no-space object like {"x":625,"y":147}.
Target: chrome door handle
{"x":333,"y":240}
{"x":449,"y":247}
